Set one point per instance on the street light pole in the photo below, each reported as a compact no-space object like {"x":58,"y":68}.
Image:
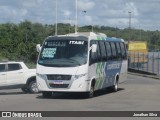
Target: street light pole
{"x":69,"y":24}
{"x":76,"y":19}
{"x":56,"y":20}
{"x":85,"y":14}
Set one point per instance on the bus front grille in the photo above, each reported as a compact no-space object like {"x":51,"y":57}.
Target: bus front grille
{"x":59,"y":85}
{"x":59,"y":77}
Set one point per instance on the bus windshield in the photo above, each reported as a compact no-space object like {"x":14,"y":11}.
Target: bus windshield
{"x":63,"y":53}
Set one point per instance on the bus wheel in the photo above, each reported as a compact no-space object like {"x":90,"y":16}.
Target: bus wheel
{"x":46,"y":94}
{"x":115,"y":87}
{"x":90,"y":94}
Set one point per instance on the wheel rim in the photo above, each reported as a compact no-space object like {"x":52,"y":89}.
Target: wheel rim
{"x":34,"y":87}
{"x":116,"y":86}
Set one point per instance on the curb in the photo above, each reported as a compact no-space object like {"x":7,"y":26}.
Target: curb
{"x":144,"y":75}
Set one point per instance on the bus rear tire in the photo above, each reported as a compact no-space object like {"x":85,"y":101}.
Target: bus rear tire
{"x":115,"y":86}
{"x":46,"y":94}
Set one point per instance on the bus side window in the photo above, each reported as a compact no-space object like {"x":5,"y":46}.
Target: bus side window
{"x":114,"y":52}
{"x":103,"y":50}
{"x":119,"y":55}
{"x":123,"y":49}
{"x":98,"y":52}
{"x":93,"y":56}
{"x":108,"y":50}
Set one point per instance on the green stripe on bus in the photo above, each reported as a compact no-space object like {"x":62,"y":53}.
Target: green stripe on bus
{"x":100,"y":75}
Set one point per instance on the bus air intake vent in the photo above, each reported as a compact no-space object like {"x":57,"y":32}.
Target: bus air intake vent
{"x":59,"y":77}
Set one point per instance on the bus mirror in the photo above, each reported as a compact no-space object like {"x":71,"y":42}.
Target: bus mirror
{"x":94,"y":48}
{"x":38,"y":47}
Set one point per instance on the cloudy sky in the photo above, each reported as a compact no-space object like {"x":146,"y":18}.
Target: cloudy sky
{"x":144,"y":13}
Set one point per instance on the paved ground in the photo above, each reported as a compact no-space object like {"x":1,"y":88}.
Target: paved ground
{"x":136,"y":94}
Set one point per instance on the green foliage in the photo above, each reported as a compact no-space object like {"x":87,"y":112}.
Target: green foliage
{"x":18,"y":41}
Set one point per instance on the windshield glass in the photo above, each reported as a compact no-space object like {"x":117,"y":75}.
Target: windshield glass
{"x":63,"y":53}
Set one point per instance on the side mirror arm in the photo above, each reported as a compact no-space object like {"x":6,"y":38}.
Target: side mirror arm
{"x":38,"y":47}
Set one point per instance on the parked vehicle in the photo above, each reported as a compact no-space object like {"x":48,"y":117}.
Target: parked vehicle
{"x":17,"y":75}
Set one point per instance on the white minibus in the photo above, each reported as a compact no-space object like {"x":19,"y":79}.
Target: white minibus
{"x":80,"y":62}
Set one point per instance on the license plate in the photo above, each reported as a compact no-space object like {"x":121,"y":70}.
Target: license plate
{"x":58,"y":82}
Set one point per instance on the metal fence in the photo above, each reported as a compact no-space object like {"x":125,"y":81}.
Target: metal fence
{"x":149,"y":62}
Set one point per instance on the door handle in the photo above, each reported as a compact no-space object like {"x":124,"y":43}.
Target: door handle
{"x":20,"y":72}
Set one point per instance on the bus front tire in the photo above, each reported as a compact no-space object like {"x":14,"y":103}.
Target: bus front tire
{"x":46,"y":94}
{"x":90,"y":94}
{"x":24,"y":89}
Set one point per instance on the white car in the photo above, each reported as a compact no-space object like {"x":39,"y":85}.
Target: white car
{"x":17,"y":75}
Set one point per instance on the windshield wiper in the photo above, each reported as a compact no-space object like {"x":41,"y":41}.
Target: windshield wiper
{"x":74,"y":61}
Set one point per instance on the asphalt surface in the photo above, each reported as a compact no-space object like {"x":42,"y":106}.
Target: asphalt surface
{"x":136,"y":94}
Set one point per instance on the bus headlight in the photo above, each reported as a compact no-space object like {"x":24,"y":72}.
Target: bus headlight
{"x":42,"y":76}
{"x":75,"y":77}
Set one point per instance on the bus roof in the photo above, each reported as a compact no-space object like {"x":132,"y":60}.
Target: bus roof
{"x":114,"y":39}
{"x":91,"y":35}
{"x":85,"y":34}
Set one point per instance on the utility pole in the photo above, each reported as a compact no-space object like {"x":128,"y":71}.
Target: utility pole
{"x":140,"y":33}
{"x":129,"y":25}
